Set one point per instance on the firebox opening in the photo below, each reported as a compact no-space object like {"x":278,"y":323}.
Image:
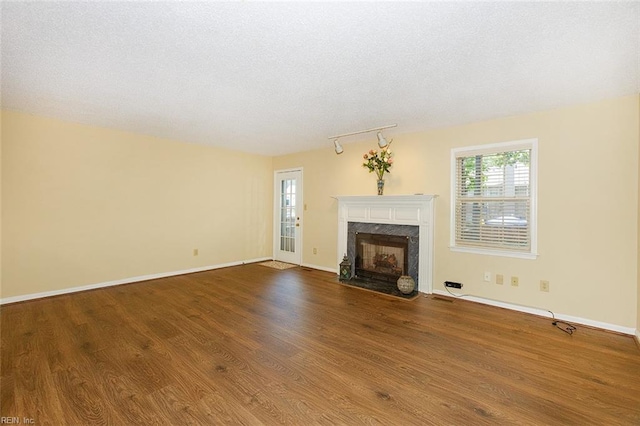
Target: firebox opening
{"x":381,"y":257}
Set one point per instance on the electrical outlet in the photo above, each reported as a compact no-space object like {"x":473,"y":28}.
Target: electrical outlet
{"x":514,"y":281}
{"x":315,"y":250}
{"x":544,"y":285}
{"x":195,"y":252}
{"x":487,"y":276}
{"x":499,"y":279}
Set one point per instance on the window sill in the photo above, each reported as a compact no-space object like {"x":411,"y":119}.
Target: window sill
{"x":489,"y":252}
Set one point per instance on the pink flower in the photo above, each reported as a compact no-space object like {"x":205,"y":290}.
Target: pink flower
{"x":366,"y":157}
{"x":372,"y":152}
{"x":390,"y":160}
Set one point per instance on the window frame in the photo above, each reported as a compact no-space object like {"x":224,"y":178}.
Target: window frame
{"x":488,"y":149}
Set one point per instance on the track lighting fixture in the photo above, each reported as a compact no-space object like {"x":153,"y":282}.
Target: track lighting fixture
{"x":382,"y":142}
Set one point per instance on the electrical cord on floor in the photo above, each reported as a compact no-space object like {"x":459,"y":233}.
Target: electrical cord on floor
{"x":562,"y":325}
{"x":453,"y":294}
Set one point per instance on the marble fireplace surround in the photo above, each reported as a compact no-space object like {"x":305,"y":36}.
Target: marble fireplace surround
{"x":415,"y":210}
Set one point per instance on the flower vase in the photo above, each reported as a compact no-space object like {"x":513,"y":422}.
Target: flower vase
{"x":380,"y":186}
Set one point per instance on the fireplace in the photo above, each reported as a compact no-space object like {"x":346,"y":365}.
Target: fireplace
{"x":400,"y":227}
{"x":381,"y":253}
{"x":381,"y":257}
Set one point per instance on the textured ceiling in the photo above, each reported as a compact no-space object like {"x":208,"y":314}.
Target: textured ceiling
{"x":275,"y":78}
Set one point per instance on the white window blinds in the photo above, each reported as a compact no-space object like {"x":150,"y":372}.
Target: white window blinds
{"x":493,"y":197}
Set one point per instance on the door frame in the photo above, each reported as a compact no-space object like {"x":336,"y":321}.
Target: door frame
{"x":299,"y":212}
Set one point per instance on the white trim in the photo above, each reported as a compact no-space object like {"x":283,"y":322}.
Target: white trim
{"x":31,"y":296}
{"x":544,"y":313}
{"x":531,"y":144}
{"x":492,"y":148}
{"x":369,"y":199}
{"x":320,"y":268}
{"x":489,"y":252}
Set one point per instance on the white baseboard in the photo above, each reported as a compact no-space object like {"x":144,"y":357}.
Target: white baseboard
{"x":545,"y":313}
{"x":31,"y":296}
{"x":320,"y":268}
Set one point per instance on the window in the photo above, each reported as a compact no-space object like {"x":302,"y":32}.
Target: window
{"x":493,"y":199}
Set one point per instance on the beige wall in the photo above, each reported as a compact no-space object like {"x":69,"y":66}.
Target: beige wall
{"x":85,"y":205}
{"x":1,"y":178}
{"x":588,"y":205}
{"x":638,"y":264}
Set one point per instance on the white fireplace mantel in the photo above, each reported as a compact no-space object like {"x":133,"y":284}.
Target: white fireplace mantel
{"x":416,"y":210}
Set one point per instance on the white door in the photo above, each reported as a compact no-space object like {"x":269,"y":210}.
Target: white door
{"x":288,"y":216}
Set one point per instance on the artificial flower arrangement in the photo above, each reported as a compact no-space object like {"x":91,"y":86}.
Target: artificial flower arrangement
{"x":379,"y":162}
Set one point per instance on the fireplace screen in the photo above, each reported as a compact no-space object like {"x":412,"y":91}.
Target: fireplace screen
{"x":381,"y":257}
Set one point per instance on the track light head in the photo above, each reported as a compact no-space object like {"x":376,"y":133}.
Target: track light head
{"x":382,"y":142}
{"x":338,"y":147}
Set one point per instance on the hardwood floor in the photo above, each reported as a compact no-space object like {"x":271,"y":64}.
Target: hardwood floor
{"x":254,"y":345}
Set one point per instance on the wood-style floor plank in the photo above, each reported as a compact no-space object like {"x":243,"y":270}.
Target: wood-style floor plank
{"x":252,"y":345}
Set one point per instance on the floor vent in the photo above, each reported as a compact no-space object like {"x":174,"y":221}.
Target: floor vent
{"x":442,"y":299}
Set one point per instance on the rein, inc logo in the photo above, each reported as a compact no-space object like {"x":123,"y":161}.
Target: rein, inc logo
{"x":16,"y":421}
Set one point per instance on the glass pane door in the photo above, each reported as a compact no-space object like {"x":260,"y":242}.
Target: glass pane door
{"x":288,"y":212}
{"x":288,"y":215}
